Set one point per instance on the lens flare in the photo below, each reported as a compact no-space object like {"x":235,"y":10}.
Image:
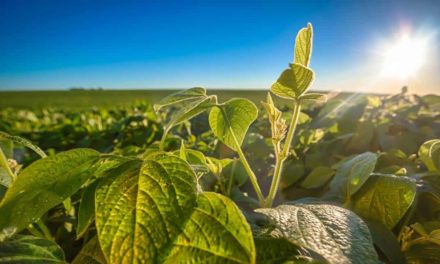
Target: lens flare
{"x":405,"y":57}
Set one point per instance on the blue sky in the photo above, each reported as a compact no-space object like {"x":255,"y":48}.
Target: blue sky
{"x":216,"y":44}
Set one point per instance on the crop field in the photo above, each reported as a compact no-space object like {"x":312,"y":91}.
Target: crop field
{"x":283,"y":175}
{"x":86,"y":99}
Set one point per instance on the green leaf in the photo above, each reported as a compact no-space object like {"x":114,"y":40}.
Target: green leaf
{"x":188,"y":103}
{"x":91,"y":253}
{"x":270,"y":250}
{"x":22,"y":141}
{"x":190,"y":110}
{"x":293,"y":82}
{"x":303,"y":45}
{"x":423,"y":254}
{"x":150,"y":211}
{"x":42,"y":185}
{"x":192,"y":94}
{"x":216,"y":232}
{"x":196,"y":159}
{"x":231,"y":120}
{"x":318,"y":177}
{"x":335,"y":233}
{"x":351,"y":175}
{"x":86,"y":211}
{"x":314,"y":97}
{"x":216,"y":166}
{"x":21,"y":249}
{"x":429,"y":153}
{"x":387,"y":242}
{"x":384,"y":198}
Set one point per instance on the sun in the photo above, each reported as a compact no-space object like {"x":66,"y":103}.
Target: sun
{"x":404,"y":57}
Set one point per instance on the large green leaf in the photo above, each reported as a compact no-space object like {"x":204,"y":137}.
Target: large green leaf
{"x":149,"y":212}
{"x":335,"y":233}
{"x":351,"y":175}
{"x":216,"y":232}
{"x":303,"y":45}
{"x":293,"y":82}
{"x":231,"y":120}
{"x":42,"y":185}
{"x":429,"y":153}
{"x":91,"y":253}
{"x":384,"y":198}
{"x":21,"y":249}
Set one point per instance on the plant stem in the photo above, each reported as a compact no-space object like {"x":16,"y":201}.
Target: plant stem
{"x":248,"y":169}
{"x":231,"y":178}
{"x":34,"y":231}
{"x":292,"y":127}
{"x":44,"y":229}
{"x":243,"y":159}
{"x":281,"y":157}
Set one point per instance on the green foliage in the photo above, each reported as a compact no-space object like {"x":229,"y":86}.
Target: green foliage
{"x":182,"y":181}
{"x":163,"y":217}
{"x":429,"y":154}
{"x":335,"y":233}
{"x":189,"y":103}
{"x":385,"y":198}
{"x":42,"y":185}
{"x":91,"y":253}
{"x":273,"y":250}
{"x":293,"y":82}
{"x":21,"y":249}
{"x":86,"y":210}
{"x":351,"y":175}
{"x":317,"y":178}
{"x":231,"y":120}
{"x":22,"y":141}
{"x":303,"y":45}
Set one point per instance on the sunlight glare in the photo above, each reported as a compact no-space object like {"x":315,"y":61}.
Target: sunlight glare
{"x":405,"y":57}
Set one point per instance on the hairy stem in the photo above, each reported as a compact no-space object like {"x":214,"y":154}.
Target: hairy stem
{"x":281,"y":157}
